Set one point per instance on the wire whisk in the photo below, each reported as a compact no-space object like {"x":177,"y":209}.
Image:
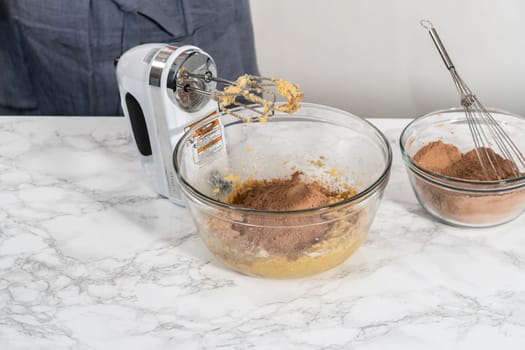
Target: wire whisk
{"x":488,"y":135}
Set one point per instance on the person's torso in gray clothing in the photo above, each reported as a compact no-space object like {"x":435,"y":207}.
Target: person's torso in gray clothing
{"x":57,"y":55}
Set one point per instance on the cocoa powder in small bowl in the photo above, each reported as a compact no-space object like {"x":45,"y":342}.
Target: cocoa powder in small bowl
{"x":447,"y":160}
{"x":447,"y":177}
{"x":465,"y":206}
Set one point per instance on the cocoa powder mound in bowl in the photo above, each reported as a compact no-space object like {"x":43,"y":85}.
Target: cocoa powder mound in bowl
{"x":285,"y":194}
{"x":446,"y":175}
{"x":290,"y":236}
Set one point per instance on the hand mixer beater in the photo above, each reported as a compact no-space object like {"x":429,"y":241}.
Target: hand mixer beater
{"x":166,"y":89}
{"x":254,"y":93}
{"x":488,"y":135}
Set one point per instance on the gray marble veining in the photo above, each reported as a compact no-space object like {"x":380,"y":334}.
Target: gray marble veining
{"x":91,"y":258}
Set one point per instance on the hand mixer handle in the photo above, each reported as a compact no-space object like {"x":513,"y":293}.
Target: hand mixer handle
{"x":437,"y":41}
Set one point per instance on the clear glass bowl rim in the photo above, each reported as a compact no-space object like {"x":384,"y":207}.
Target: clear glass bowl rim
{"x":194,"y":193}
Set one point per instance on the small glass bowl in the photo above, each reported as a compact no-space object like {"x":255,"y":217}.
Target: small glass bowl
{"x":456,"y":201}
{"x":324,"y":143}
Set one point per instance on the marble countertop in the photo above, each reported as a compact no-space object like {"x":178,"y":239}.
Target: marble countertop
{"x":91,"y":258}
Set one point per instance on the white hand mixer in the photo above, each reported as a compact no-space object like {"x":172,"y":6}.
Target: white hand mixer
{"x":164,"y":90}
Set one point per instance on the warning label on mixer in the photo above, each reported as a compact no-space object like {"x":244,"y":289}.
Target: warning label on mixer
{"x":207,"y":140}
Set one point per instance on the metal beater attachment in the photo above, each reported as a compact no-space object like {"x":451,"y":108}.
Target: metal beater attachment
{"x":253,"y":93}
{"x":488,"y":135}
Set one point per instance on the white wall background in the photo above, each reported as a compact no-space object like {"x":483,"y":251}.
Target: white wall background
{"x":372,"y":58}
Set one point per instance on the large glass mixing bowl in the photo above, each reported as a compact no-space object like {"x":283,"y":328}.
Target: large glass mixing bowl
{"x":326,"y":144}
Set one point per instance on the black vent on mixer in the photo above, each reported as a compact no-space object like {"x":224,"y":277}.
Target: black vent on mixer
{"x":138,"y":125}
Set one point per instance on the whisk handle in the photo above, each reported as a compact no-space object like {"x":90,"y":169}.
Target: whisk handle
{"x":439,"y":45}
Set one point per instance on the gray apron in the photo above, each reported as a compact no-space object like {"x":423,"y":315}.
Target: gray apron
{"x":57,"y":55}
